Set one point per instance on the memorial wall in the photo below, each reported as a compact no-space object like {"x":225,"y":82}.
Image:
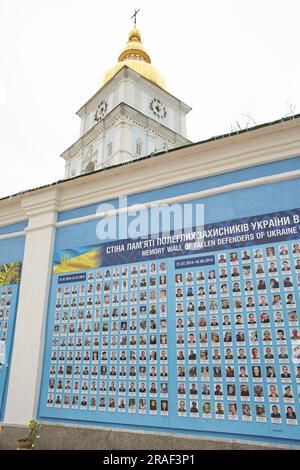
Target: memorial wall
{"x":11,"y":255}
{"x":181,"y":331}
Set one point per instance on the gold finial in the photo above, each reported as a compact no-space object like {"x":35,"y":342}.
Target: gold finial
{"x":135,"y":15}
{"x":135,"y":57}
{"x":134,"y":49}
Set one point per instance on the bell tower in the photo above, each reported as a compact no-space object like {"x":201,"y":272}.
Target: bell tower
{"x":131,"y":115}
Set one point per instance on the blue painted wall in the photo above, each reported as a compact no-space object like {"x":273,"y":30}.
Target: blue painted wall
{"x":233,"y":205}
{"x":20,"y":226}
{"x":194,"y":186}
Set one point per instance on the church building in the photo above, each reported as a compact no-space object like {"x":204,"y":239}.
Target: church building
{"x":131,"y":115}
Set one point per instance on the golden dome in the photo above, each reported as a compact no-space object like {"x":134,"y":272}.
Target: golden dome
{"x":135,"y":56}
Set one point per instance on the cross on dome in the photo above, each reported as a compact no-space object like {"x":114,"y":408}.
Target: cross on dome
{"x":134,"y":56}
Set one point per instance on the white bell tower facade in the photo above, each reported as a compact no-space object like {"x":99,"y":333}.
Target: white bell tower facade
{"x":131,"y":116}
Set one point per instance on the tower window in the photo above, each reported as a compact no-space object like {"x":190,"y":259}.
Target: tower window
{"x":109,"y":149}
{"x":139,"y":148}
{"x":90,"y":167}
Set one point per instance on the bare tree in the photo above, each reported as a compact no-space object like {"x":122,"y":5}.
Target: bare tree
{"x":290,"y":110}
{"x":245,"y":122}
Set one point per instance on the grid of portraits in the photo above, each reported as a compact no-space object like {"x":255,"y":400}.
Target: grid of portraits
{"x":238,"y":338}
{"x":109,"y":342}
{"x":6,"y":294}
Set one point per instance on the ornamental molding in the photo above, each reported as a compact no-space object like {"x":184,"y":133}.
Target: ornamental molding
{"x":124,"y":75}
{"x":172,"y":200}
{"x":119,"y":114}
{"x":152,"y":90}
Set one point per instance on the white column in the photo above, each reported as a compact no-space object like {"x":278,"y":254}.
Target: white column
{"x":26,"y":364}
{"x":123,"y":142}
{"x":67,"y":169}
{"x":183,"y":125}
{"x":100,"y":150}
{"x":151,"y":142}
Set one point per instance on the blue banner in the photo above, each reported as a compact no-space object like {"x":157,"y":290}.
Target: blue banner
{"x":193,"y":262}
{"x":238,"y":233}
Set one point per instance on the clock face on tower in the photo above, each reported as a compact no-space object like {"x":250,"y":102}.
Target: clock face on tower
{"x":158,"y":108}
{"x":100,"y":111}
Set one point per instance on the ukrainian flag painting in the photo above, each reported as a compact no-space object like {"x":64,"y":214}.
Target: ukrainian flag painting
{"x":10,"y":273}
{"x":77,"y":259}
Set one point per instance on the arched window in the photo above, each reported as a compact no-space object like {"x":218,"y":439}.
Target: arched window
{"x":90,"y":167}
{"x":139,"y":148}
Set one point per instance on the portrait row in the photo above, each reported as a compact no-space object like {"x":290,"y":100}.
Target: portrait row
{"x":115,"y":313}
{"x":261,"y":412}
{"x":269,"y":252}
{"x":121,"y":387}
{"x":230,"y":373}
{"x":159,"y":295}
{"x":203,"y":338}
{"x":124,"y":271}
{"x":123,"y":340}
{"x":235,"y":288}
{"x":245,"y":271}
{"x":271,"y":275}
{"x":112,"y":356}
{"x":238,"y":304}
{"x":123,"y":285}
{"x":242,"y":355}
{"x":83,"y":341}
{"x":257,"y":392}
{"x":111,"y":404}
{"x":113,"y":370}
{"x":237,"y":320}
{"x":121,"y":326}
{"x":6,"y":291}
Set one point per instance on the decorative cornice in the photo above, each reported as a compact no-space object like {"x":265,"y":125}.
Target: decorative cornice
{"x":40,"y":203}
{"x":175,"y":104}
{"x":186,"y":164}
{"x":7,"y":236}
{"x":121,"y":111}
{"x":11,"y":212}
{"x":123,"y":75}
{"x":186,"y":197}
{"x":171,"y":200}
